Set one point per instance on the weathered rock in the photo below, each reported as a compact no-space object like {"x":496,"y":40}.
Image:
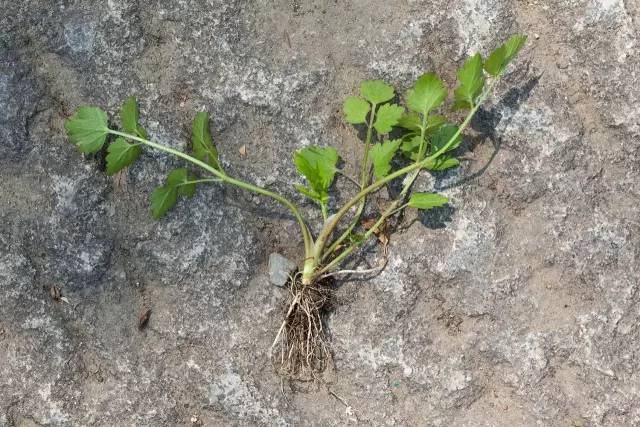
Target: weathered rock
{"x":280,"y":269}
{"x":518,"y":305}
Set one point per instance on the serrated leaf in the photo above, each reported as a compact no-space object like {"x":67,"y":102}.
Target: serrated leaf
{"x":376,"y":91}
{"x":162,"y":199}
{"x":470,"y":83}
{"x":318,"y":166}
{"x":427,"y":200}
{"x":497,"y":62}
{"x":130,"y":115}
{"x":178,"y":178}
{"x":381,"y":156}
{"x":88,"y":129}
{"x":387,"y":117}
{"x":410,"y":146}
{"x":356,"y":110}
{"x":442,"y":163}
{"x":443,"y":136}
{"x":120,"y":155}
{"x":427,"y":93}
{"x":410,"y":122}
{"x":203,"y":148}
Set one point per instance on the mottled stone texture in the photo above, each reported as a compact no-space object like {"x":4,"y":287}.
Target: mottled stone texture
{"x":518,"y":305}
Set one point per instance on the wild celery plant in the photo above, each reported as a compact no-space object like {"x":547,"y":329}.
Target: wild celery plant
{"x":428,"y":142}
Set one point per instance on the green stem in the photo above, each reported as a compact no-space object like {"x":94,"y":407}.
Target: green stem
{"x":329,"y":227}
{"x":364,"y":181}
{"x":198,"y":181}
{"x":308,"y":240}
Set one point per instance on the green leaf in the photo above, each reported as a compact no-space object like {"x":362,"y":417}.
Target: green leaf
{"x":318,"y":166}
{"x":203,"y":148}
{"x":356,"y":110}
{"x":427,"y":200}
{"x":387,"y":117}
{"x":427,"y":93}
{"x":381,"y":156}
{"x":88,"y":129}
{"x":129,"y":115}
{"x":410,"y":146}
{"x":443,"y":136}
{"x":120,"y":155}
{"x":442,"y":163}
{"x":500,"y":58}
{"x":178,"y":177}
{"x":162,"y":199}
{"x":410,"y":121}
{"x":471,"y":82}
{"x":376,"y":91}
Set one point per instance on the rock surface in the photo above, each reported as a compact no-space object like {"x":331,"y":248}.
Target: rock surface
{"x":520,"y":305}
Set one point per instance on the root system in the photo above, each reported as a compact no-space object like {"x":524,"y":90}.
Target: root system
{"x":300,"y":350}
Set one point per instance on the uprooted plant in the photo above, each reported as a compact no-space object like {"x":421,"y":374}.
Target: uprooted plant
{"x":427,"y":142}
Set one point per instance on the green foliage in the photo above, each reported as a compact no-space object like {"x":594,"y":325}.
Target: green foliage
{"x":179,"y":182}
{"x":427,"y":200}
{"x":88,"y":129}
{"x":387,"y":117}
{"x":471,"y":82}
{"x":356,"y":110}
{"x":381,"y":156}
{"x":426,"y":140}
{"x":443,"y":136}
{"x":129,"y":115}
{"x":203,"y":148}
{"x":497,"y":62}
{"x":120,"y":155}
{"x":318,"y":166}
{"x":182,"y":179}
{"x":427,"y":94}
{"x":376,"y":91}
{"x":162,"y":199}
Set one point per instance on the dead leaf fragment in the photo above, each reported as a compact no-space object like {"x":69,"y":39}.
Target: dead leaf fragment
{"x":243,"y":150}
{"x":54,"y":291}
{"x":143,"y":319}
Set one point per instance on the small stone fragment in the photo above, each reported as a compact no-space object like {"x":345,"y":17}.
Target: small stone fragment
{"x":280,"y":268}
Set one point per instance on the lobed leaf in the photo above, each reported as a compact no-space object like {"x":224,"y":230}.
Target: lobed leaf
{"x":500,"y":58}
{"x":178,"y":178}
{"x":356,"y":110}
{"x":470,"y":83}
{"x":318,"y":166}
{"x":88,"y":129}
{"x":203,"y":148}
{"x":129,"y":115}
{"x":427,"y":200}
{"x":381,"y":156}
{"x":120,"y":155}
{"x":427,"y":93}
{"x":376,"y":91}
{"x":162,"y":199}
{"x":387,"y":117}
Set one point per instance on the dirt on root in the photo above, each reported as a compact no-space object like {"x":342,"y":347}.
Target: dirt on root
{"x":300,"y":350}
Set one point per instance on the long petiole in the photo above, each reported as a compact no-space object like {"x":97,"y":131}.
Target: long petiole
{"x":198,"y":181}
{"x":306,"y":235}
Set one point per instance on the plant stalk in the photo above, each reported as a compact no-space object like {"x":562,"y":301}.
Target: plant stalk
{"x":306,"y":234}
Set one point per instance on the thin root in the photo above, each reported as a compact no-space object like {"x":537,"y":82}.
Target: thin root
{"x":300,"y":350}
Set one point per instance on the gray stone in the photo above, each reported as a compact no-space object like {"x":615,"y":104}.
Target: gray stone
{"x":517,"y":305}
{"x":280,"y":269}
